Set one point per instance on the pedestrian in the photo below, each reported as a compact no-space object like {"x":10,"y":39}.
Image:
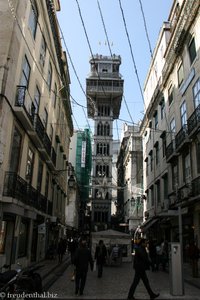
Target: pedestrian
{"x":159,"y":254}
{"x":141,"y":264}
{"x":100,"y":256}
{"x":115,"y":252}
{"x":194,"y":255}
{"x":165,"y":254}
{"x":72,"y":246}
{"x":82,"y":259}
{"x":152,"y":254}
{"x":61,"y":250}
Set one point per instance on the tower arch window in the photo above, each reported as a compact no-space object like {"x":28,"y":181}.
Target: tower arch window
{"x":102,"y":170}
{"x":103,"y":148}
{"x":103,"y":110}
{"x":100,"y":128}
{"x":106,"y":129}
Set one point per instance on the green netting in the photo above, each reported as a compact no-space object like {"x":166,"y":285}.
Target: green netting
{"x":83,"y":173}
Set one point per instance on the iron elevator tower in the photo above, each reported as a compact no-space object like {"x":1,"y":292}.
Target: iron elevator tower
{"x":104,"y":89}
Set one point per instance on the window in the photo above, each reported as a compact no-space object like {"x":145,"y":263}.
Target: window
{"x":23,"y":238}
{"x":173,"y":126}
{"x":183,"y":114}
{"x":198,"y":156}
{"x":157,"y":152}
{"x":55,"y":95}
{"x":103,"y":148}
{"x":103,"y":111}
{"x":175,"y":176}
{"x":39,"y":176}
{"x":43,"y":48}
{"x":164,"y":143}
{"x":33,"y":18}
{"x":156,"y":119}
{"x":15,"y":150}
{"x":23,"y":85}
{"x":37,"y":97}
{"x":180,"y":74}
{"x":29,"y":165}
{"x":152,"y":195}
{"x":165,"y":184}
{"x":47,"y":185}
{"x":162,"y":108}
{"x":106,"y":129}
{"x":49,"y":76}
{"x":146,"y":161}
{"x":51,"y":133}
{"x":26,"y":69}
{"x":102,"y":170}
{"x":158,"y":191}
{"x":45,"y":118}
{"x":100,"y":128}
{"x":170,"y":95}
{"x":192,"y":50}
{"x":186,"y":167}
{"x":151,"y":160}
{"x":196,"y":93}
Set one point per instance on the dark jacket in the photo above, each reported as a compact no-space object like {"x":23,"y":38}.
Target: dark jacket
{"x":141,"y":260}
{"x":100,"y":254}
{"x":82,"y":258}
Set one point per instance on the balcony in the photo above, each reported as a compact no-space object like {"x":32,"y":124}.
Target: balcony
{"x":37,"y":132}
{"x":17,"y":188}
{"x":194,"y":122}
{"x":52,"y":161}
{"x":184,"y":193}
{"x":104,"y":88}
{"x":171,"y":153}
{"x":196,"y":187}
{"x":182,"y":138}
{"x":46,"y":148}
{"x":24,"y":108}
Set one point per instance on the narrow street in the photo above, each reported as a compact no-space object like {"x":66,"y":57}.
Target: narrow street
{"x":115,"y":285}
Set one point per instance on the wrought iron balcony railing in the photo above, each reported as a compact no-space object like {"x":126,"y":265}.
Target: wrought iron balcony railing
{"x":16,"y":187}
{"x":39,"y":127}
{"x":23,"y":100}
{"x":194,"y":120}
{"x":181,"y":136}
{"x":47,"y":143}
{"x":196,"y":186}
{"x":53,"y":156}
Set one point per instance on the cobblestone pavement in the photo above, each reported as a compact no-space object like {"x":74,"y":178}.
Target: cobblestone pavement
{"x":115,"y":284}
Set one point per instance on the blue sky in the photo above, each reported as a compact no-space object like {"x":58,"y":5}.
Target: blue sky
{"x":155,"y":12}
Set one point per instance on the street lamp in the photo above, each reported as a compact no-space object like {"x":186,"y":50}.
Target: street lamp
{"x":71,"y":182}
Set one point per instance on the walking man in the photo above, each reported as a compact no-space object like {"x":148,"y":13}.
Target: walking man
{"x":100,"y":256}
{"x":81,"y":261}
{"x":141,"y":264}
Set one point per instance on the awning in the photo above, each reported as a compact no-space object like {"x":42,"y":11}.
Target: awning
{"x":148,"y":224}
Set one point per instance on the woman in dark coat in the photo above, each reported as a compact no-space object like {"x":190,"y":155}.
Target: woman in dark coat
{"x":141,"y":264}
{"x":100,"y":256}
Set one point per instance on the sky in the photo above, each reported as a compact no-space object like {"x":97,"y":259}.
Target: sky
{"x":86,"y":33}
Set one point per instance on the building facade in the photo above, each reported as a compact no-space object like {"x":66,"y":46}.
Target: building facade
{"x":104,"y":89}
{"x":130,"y":172}
{"x":35,"y":130}
{"x":170,"y":128}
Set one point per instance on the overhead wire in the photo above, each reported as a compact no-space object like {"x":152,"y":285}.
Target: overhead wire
{"x":131,"y":50}
{"x":91,"y":52}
